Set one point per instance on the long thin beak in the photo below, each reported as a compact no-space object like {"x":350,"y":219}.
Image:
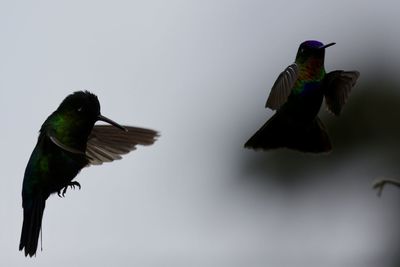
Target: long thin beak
{"x":327,"y":45}
{"x":113,"y":123}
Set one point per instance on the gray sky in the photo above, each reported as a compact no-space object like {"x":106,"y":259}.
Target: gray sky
{"x":200,"y":72}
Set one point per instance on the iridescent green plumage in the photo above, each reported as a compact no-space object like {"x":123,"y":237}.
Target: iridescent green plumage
{"x":297,"y":96}
{"x":69,"y":141}
{"x":309,"y":72}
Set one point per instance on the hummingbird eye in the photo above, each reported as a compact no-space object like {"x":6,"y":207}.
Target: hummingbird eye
{"x":80,"y":109}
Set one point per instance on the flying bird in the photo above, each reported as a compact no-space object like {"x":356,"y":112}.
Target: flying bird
{"x":297,"y":96}
{"x":68,"y":141}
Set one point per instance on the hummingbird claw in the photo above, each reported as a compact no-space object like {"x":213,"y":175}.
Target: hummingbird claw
{"x":64,"y":189}
{"x":74,"y":183}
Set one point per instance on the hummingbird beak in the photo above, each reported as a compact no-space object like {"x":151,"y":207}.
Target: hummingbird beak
{"x":113,"y":123}
{"x":327,"y":45}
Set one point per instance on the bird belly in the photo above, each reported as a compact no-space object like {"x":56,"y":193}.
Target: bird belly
{"x":48,"y":171}
{"x":304,"y":107}
{"x":62,"y":170}
{"x":306,"y":102}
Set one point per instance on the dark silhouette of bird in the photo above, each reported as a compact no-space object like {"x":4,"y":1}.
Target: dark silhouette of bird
{"x":68,"y":141}
{"x":297,"y":96}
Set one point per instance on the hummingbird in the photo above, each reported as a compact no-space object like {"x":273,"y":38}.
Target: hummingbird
{"x":68,"y":141}
{"x":297,"y":96}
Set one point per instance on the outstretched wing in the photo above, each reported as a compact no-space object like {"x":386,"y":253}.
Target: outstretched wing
{"x":282,"y":87}
{"x":337,"y":86}
{"x":107,"y":143}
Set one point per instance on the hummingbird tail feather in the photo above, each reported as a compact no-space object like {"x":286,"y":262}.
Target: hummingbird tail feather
{"x":315,"y":138}
{"x":269,"y":136}
{"x":280,"y":132}
{"x":31,"y":226}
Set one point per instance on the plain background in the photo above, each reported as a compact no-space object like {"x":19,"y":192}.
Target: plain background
{"x":200,"y":73}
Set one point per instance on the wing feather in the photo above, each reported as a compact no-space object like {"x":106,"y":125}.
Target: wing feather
{"x":107,"y":143}
{"x":282,"y":87}
{"x":337,"y":86}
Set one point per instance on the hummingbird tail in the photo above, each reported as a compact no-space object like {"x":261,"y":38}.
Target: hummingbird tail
{"x":32,"y":225}
{"x":279,"y":132}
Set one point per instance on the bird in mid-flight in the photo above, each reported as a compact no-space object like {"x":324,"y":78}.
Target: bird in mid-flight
{"x":297,"y":96}
{"x":68,"y":141}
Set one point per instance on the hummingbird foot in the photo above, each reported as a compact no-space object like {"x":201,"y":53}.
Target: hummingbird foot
{"x":64,"y":190}
{"x":380,"y":184}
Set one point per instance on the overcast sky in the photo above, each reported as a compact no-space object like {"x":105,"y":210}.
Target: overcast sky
{"x":200,"y":72}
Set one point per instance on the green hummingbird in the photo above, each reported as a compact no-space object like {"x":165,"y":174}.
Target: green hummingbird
{"x":297,"y":96}
{"x":68,"y":141}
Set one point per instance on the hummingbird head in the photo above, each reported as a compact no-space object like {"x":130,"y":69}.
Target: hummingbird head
{"x":80,"y":106}
{"x":311,"y":49}
{"x":74,"y":119}
{"x":83,"y":106}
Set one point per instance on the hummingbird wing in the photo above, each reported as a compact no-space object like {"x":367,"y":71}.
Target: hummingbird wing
{"x":282,"y":87}
{"x":57,"y":142}
{"x":107,"y":143}
{"x":337,"y":86}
